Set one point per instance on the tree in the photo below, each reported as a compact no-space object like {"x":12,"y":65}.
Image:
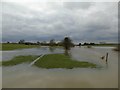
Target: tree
{"x":38,"y":42}
{"x":67,"y":43}
{"x":44,"y":43}
{"x":86,"y":43}
{"x":21,"y":41}
{"x":60,"y":43}
{"x":52,"y":42}
{"x":79,"y":44}
{"x":8,"y":42}
{"x":92,"y":43}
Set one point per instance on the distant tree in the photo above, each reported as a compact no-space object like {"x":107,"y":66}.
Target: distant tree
{"x":67,"y":43}
{"x":79,"y":44}
{"x":8,"y":42}
{"x":38,"y":42}
{"x":60,"y":43}
{"x":44,"y":43}
{"x":92,"y":43}
{"x":52,"y":42}
{"x":86,"y":43}
{"x":21,"y":41}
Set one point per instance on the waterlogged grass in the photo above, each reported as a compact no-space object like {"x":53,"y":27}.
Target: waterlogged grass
{"x":61,"y":61}
{"x":16,"y":46}
{"x":18,"y":60}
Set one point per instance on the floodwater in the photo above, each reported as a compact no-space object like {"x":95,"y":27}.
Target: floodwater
{"x":24,"y":76}
{"x":7,"y":55}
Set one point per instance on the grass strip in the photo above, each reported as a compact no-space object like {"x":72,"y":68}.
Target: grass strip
{"x":61,"y":61}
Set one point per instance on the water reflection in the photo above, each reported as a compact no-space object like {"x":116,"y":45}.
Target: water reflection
{"x":106,"y":64}
{"x":7,"y":55}
{"x":67,"y":53}
{"x":52,"y":49}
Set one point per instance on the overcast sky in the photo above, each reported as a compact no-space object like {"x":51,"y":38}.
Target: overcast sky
{"x":39,"y":21}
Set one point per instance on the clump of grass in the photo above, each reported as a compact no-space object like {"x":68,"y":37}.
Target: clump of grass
{"x":61,"y":61}
{"x":18,"y":60}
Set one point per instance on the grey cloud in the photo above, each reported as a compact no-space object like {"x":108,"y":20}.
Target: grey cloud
{"x":94,"y":24}
{"x":77,"y":5}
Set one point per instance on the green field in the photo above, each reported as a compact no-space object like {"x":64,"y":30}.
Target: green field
{"x":16,"y":46}
{"x":106,"y":45}
{"x":61,"y":61}
{"x":18,"y":60}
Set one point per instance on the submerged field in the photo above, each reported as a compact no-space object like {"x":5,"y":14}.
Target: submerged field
{"x":16,"y":46}
{"x":18,"y":60}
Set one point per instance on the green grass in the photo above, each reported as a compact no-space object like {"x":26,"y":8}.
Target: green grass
{"x":16,"y":46}
{"x":106,"y":45}
{"x":18,"y":60}
{"x":61,"y":61}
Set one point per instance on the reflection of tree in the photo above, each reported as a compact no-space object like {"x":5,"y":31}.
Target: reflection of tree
{"x":67,"y":53}
{"x":52,"y":49}
{"x":106,"y":64}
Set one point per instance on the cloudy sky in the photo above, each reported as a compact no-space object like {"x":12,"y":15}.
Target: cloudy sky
{"x":39,"y":21}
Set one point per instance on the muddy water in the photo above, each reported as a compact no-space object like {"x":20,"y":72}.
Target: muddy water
{"x":24,"y":76}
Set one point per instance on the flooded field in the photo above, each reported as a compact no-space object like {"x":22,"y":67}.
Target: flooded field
{"x":7,"y":55}
{"x":26,"y":76}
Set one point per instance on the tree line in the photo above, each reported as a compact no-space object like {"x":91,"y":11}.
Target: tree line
{"x":52,"y":42}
